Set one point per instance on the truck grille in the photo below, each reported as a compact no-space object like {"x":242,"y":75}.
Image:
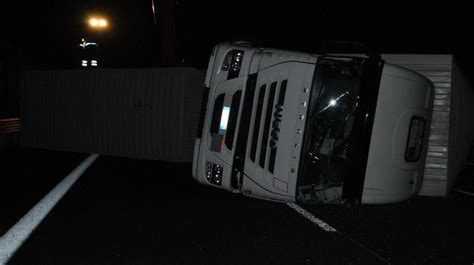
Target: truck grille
{"x":271,"y":124}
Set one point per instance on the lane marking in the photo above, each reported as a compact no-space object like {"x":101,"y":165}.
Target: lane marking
{"x":463,"y":192}
{"x":323,"y":225}
{"x":311,"y":217}
{"x":12,"y":240}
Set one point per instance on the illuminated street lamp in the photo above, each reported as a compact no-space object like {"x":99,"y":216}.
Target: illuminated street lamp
{"x":98,"y":22}
{"x":90,"y":50}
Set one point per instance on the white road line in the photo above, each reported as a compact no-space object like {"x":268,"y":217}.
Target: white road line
{"x":463,"y":192}
{"x":19,"y":233}
{"x":311,"y":217}
{"x":323,"y":225}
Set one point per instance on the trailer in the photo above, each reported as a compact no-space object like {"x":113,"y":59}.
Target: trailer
{"x":452,"y":126}
{"x":290,"y":126}
{"x":149,"y":113}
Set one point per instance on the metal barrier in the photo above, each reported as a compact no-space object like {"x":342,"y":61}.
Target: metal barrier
{"x":10,"y":125}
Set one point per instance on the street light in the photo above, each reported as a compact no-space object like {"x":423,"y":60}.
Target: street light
{"x":97,"y":25}
{"x":98,"y":22}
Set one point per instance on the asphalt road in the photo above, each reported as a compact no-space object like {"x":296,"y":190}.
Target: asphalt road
{"x":131,"y":211}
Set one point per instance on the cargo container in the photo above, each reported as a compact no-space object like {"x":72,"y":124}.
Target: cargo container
{"x":149,"y":113}
{"x":452,"y":122}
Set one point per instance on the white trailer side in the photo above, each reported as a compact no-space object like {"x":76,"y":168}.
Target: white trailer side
{"x":452,"y":126}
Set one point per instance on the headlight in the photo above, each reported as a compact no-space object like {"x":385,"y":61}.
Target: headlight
{"x":214,"y":173}
{"x":232,"y":63}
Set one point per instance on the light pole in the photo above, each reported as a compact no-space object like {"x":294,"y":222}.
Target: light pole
{"x":96,"y":25}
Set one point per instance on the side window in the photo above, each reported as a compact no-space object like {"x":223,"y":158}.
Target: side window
{"x":216,"y":113}
{"x":232,"y":123}
{"x":415,"y":139}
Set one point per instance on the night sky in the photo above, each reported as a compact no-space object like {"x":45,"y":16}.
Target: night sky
{"x":47,"y":33}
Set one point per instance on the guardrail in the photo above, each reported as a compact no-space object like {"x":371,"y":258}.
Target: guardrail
{"x":10,"y":125}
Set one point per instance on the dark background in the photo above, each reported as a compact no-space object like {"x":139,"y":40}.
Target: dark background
{"x":39,"y":35}
{"x":47,"y":33}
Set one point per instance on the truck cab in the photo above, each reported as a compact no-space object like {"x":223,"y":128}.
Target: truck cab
{"x":290,"y":126}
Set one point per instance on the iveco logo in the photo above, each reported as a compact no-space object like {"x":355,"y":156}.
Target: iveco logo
{"x":276,"y":126}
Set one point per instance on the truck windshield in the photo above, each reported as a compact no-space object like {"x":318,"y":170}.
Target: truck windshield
{"x":333,"y":102}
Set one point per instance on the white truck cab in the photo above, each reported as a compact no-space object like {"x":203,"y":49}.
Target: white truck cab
{"x":290,"y":126}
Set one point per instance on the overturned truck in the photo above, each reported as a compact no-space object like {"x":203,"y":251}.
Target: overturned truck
{"x":290,"y":126}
